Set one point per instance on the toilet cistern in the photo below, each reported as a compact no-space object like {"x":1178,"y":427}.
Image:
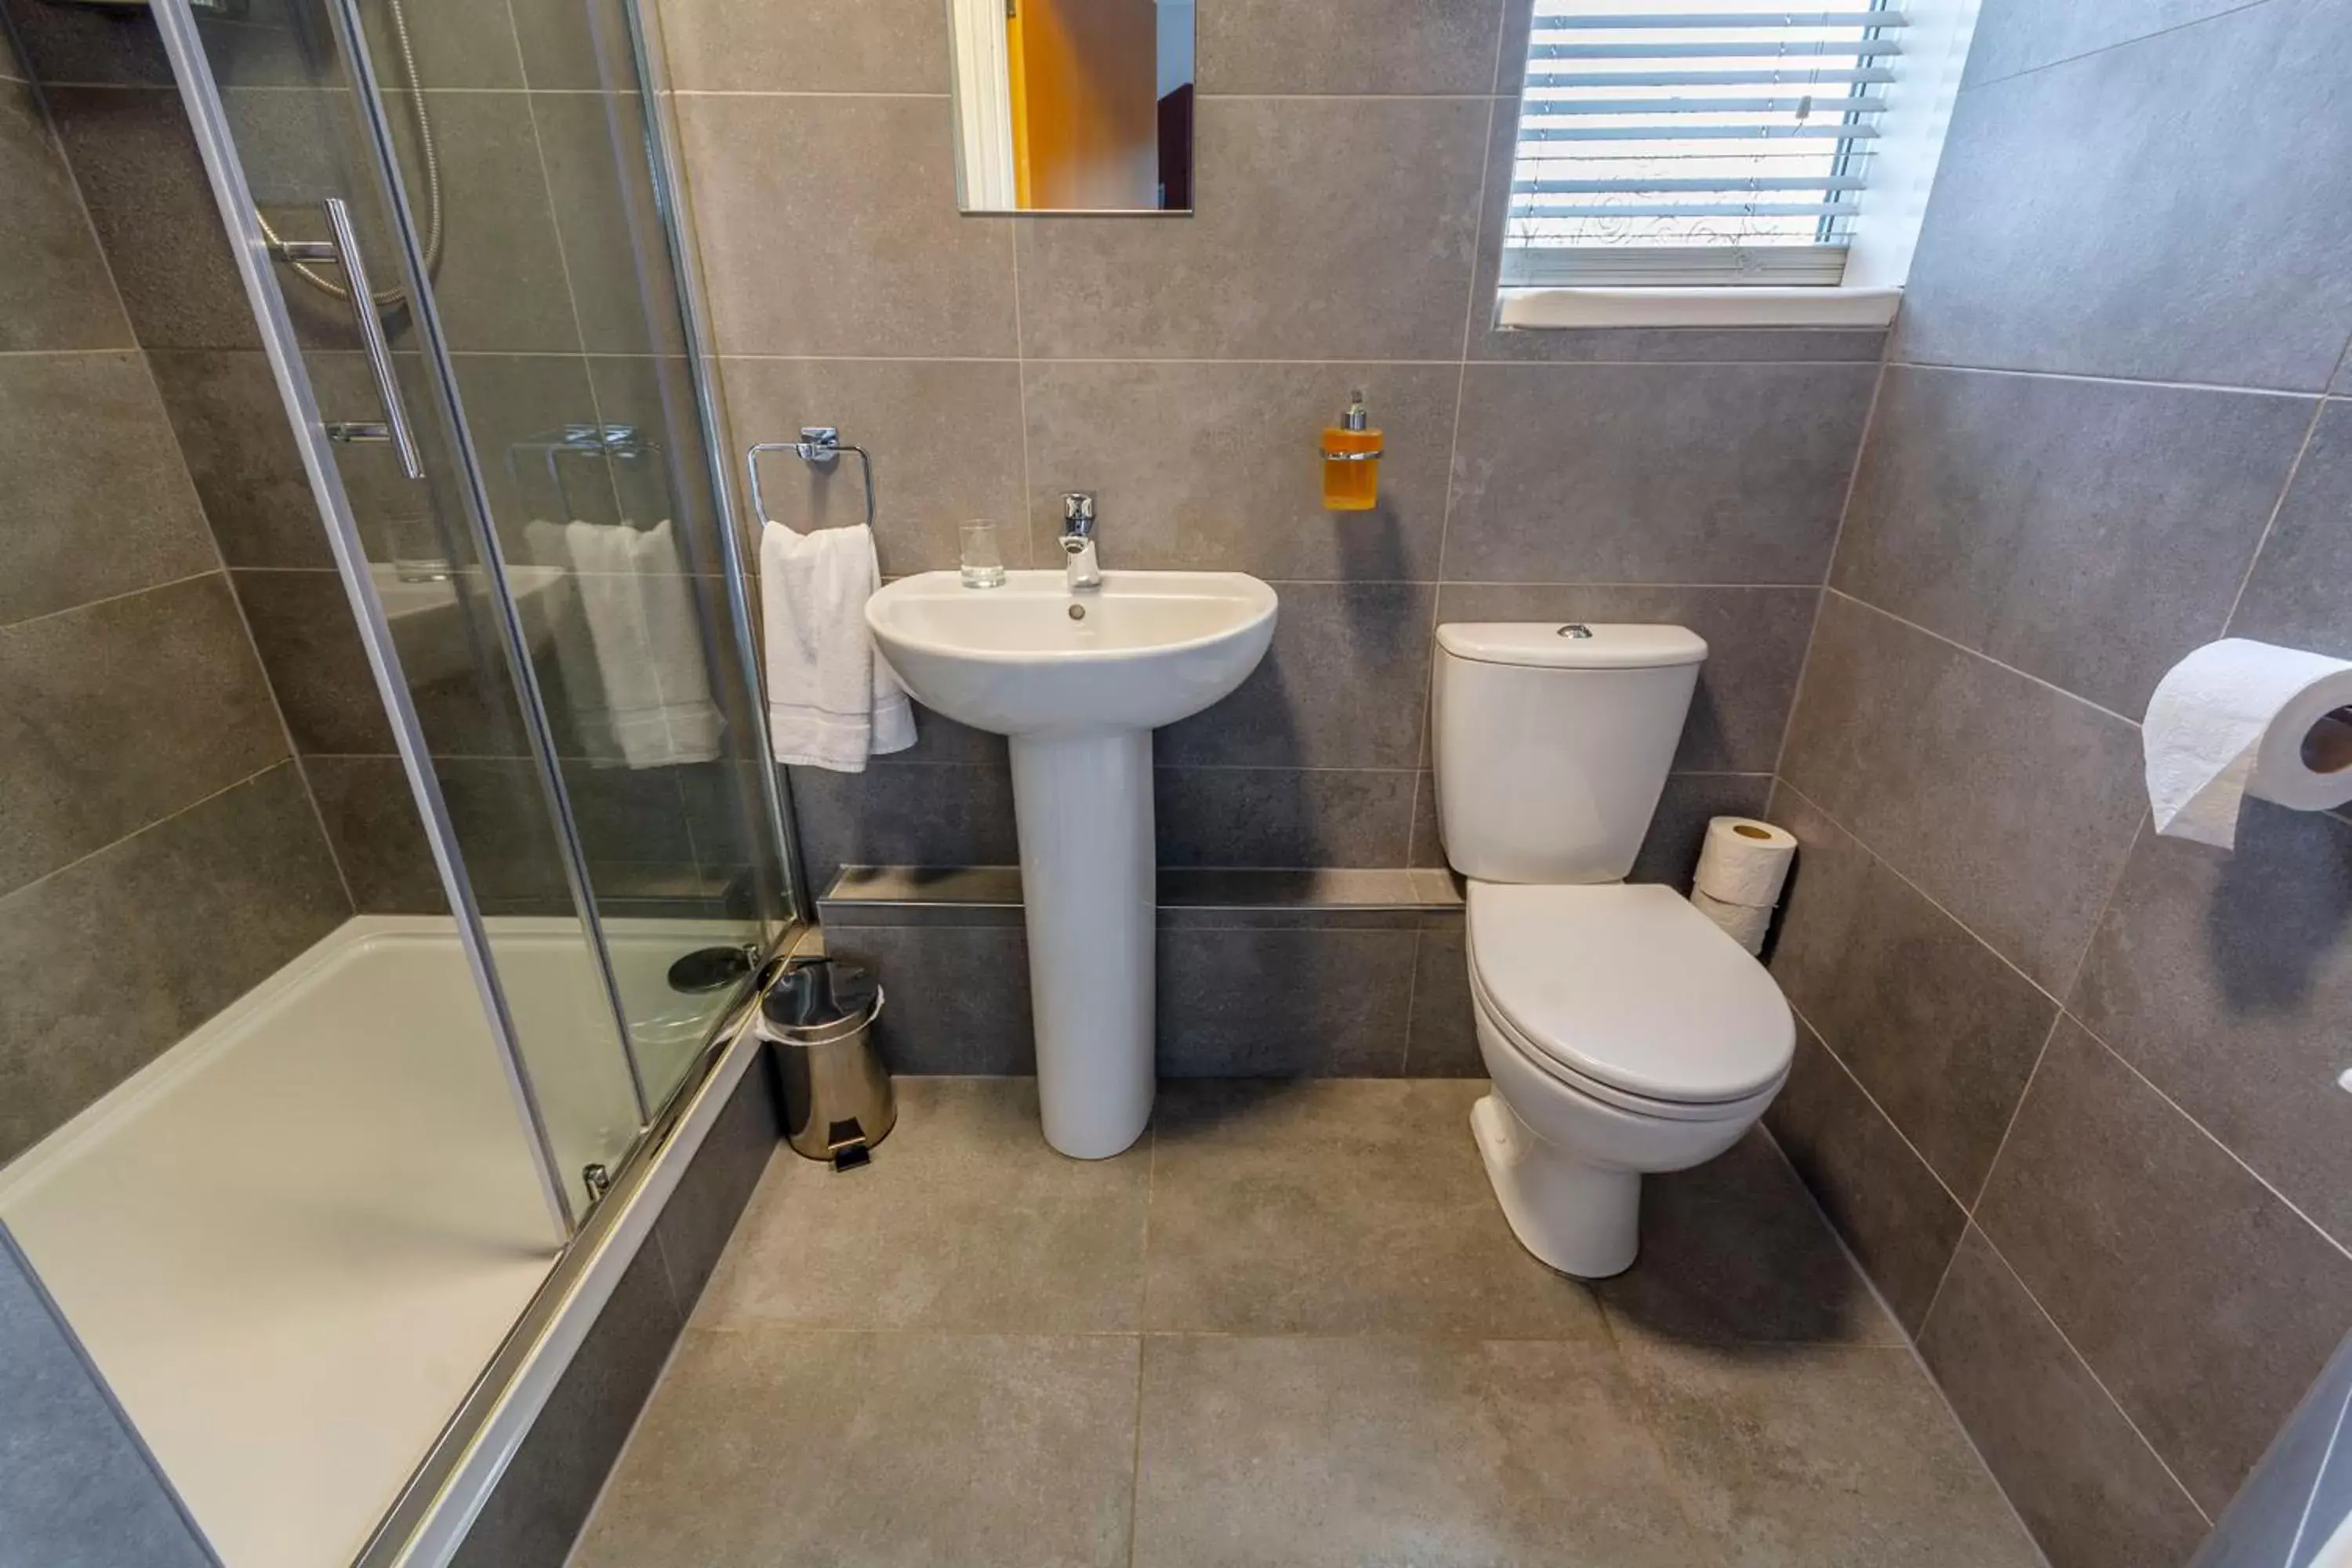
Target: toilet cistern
{"x":1079,"y":569}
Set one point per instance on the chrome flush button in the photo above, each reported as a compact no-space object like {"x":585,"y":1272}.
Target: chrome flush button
{"x":1576,"y":629}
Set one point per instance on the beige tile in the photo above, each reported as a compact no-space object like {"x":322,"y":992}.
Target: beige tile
{"x":966,"y":1221}
{"x":1821,"y":1458}
{"x":1396,"y":1451}
{"x":946,"y":440}
{"x":1735,"y":1251}
{"x":2204,"y":1303}
{"x":2091,"y":1489}
{"x":802,"y":1450}
{"x":1326,"y":228}
{"x":1213,"y":465}
{"x":1335,"y":1206}
{"x":828,"y":226}
{"x":1371,"y":46}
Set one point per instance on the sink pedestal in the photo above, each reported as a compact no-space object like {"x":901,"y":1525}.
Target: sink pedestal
{"x":1083,"y":804}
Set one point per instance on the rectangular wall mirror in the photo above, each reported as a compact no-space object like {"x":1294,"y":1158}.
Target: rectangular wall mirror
{"x":1073,"y":105}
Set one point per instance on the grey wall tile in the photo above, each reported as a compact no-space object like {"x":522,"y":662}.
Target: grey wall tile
{"x":1755,"y":641}
{"x":1938,"y":1029}
{"x":1278,"y":47}
{"x":927,"y":814}
{"x":609,"y":223}
{"x":64,"y":43}
{"x":99,"y":501}
{"x":370,"y":815}
{"x":1884,"y":1201}
{"x":1284,"y":259}
{"x":55,"y":293}
{"x":1344,"y":685}
{"x":946,"y":440}
{"x":828,"y":225}
{"x":1201,"y":465}
{"x":200,"y":908}
{"x":2301,"y":1491}
{"x":547,"y":1490}
{"x":871,"y":45}
{"x":2226,"y":978}
{"x":2291,"y":597}
{"x":501,"y":285}
{"x":1442,"y":1039}
{"x":2015,"y":35}
{"x":2088,"y":532}
{"x":2204,"y":1303}
{"x":2009,"y":803}
{"x":1669,"y":851}
{"x":308,"y":643}
{"x":75,"y":1491}
{"x":136,"y":162}
{"x":122,"y":713}
{"x":1281,"y":817}
{"x":1621,"y":473}
{"x":2037,"y":252}
{"x":958,"y":996}
{"x":577,"y":45}
{"x":233,"y":432}
{"x":1283,"y":1003}
{"x":2091,"y":1490}
{"x":695,"y":1224}
{"x":454,"y":43}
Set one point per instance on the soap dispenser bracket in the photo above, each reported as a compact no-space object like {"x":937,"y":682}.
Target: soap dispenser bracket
{"x":820,"y":447}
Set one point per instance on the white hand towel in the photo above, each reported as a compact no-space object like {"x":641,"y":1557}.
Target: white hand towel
{"x":831,"y":701}
{"x":632,"y":655}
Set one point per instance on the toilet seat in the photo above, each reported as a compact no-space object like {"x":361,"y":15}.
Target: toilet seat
{"x":1625,"y":993}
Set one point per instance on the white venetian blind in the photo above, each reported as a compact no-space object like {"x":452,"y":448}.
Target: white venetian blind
{"x":1694,"y":141}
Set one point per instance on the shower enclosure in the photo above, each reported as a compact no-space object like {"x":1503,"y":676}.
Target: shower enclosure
{"x":311,"y":1246}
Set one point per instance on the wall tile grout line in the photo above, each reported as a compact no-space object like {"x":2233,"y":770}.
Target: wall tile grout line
{"x":2110,"y":48}
{"x":2286,"y":489}
{"x":2080,"y":1360}
{"x":2041,"y":681}
{"x":143,"y":829}
{"x":2021,"y":373}
{"x":164,"y":586}
{"x":1893,"y":1126}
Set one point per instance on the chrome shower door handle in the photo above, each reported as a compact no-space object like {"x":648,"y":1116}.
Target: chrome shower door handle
{"x":395,"y":426}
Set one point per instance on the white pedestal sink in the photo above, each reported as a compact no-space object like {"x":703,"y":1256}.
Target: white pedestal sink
{"x":1079,"y":681}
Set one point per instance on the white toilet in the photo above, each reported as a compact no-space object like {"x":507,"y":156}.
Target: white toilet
{"x":1624,"y":1033}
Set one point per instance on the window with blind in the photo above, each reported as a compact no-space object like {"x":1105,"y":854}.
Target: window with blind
{"x":1695,"y":143}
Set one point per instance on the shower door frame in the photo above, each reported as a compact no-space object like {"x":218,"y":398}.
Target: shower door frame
{"x":437,"y":1502}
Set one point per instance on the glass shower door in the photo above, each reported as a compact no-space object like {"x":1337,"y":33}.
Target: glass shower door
{"x":448,"y":628}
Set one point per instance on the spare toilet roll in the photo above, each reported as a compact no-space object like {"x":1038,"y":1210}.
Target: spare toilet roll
{"x":1744,"y":924}
{"x":1744,"y":861}
{"x":2239,"y":718}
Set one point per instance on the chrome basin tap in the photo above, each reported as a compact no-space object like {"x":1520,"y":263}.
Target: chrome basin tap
{"x":1078,"y":541}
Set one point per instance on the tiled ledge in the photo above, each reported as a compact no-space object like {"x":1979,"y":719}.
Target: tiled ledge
{"x":1370,"y":899}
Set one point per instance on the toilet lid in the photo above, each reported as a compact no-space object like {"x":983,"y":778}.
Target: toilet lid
{"x":1628,"y":984}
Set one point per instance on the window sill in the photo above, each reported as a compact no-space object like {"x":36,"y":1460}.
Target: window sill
{"x":1525,"y":310}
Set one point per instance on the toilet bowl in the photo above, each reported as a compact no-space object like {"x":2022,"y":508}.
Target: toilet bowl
{"x":1625,"y":1035}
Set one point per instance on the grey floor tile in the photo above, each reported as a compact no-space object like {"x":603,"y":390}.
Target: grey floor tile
{"x":1338,"y":1205}
{"x":1735,"y":1251}
{"x":782,"y":1449}
{"x":965,"y":1222}
{"x":1822,"y":1458}
{"x":1389,"y":1451}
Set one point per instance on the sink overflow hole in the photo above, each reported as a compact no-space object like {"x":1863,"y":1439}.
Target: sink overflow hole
{"x":1078,"y":611}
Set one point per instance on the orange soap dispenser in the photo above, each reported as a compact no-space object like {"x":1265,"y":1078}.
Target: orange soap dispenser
{"x":1351,"y":460}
